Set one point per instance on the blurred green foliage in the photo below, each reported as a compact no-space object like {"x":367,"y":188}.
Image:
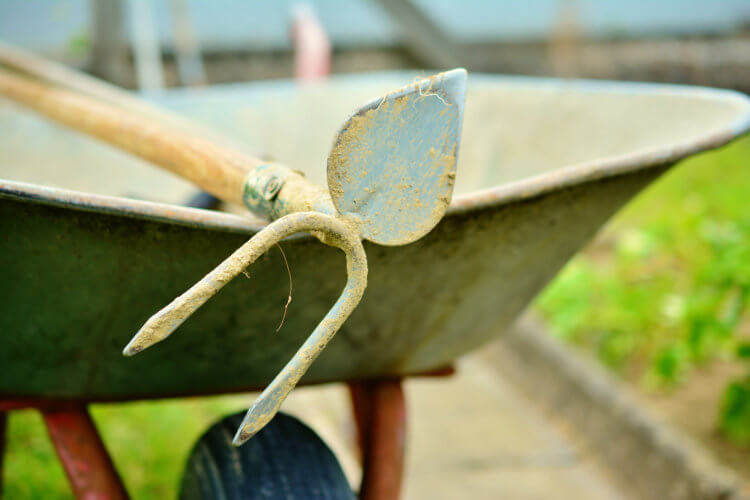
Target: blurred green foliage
{"x":665,"y":288}
{"x":735,"y":411}
{"x":79,"y":44}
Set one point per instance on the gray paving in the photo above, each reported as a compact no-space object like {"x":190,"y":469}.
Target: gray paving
{"x":470,"y":436}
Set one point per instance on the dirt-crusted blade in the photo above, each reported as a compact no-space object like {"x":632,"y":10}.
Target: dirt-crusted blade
{"x":393,"y":164}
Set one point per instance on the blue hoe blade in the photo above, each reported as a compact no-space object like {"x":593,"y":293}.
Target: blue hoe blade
{"x":393,"y":163}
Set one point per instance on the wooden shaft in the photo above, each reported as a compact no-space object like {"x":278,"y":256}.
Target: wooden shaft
{"x":29,"y":64}
{"x":218,"y":170}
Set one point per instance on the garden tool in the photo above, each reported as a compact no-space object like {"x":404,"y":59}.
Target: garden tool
{"x":390,"y":176}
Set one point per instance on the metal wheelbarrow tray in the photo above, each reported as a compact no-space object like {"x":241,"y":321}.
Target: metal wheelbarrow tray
{"x":543,"y":165}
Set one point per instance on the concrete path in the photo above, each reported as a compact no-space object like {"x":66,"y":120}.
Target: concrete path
{"x":469,"y":436}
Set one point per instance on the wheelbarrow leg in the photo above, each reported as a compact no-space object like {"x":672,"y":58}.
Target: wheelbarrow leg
{"x":81,"y":450}
{"x":3,"y":430}
{"x":380,"y":412}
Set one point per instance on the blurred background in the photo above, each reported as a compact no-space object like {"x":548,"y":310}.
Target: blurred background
{"x":659,"y":299}
{"x":687,"y":41}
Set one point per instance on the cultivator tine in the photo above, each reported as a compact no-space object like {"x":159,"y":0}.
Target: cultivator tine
{"x":336,"y":233}
{"x":168,"y":319}
{"x":268,"y":403}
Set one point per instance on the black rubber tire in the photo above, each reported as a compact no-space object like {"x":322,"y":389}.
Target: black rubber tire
{"x":285,"y":460}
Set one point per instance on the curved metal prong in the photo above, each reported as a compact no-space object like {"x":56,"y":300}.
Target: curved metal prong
{"x":268,"y":403}
{"x":333,"y":232}
{"x":164,"y":322}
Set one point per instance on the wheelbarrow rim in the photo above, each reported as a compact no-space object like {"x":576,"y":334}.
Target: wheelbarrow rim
{"x":493,"y":197}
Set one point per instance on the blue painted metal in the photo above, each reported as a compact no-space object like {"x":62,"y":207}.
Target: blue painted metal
{"x":393,"y":165}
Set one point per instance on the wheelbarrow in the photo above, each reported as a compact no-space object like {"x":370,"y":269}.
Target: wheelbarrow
{"x":543,"y":164}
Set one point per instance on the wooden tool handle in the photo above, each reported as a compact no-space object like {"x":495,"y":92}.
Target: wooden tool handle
{"x":218,"y":170}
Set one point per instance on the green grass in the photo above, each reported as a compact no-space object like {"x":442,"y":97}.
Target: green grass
{"x":665,"y":287}
{"x":149,"y":442}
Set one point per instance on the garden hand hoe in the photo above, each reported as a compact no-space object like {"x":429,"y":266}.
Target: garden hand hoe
{"x":390,"y":177}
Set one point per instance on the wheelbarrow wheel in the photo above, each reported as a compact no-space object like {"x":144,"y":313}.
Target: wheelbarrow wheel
{"x":286,"y":459}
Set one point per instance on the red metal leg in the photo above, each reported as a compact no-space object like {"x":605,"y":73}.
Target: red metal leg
{"x":3,"y":428}
{"x":380,"y":411}
{"x":81,"y":451}
{"x":358,"y":392}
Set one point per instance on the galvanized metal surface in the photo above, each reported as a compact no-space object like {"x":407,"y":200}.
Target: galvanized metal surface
{"x":84,"y":279}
